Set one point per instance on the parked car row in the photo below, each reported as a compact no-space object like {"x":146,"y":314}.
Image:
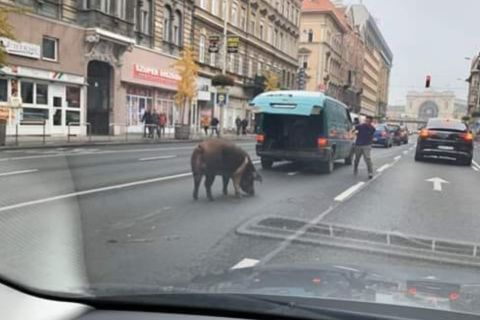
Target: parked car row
{"x":387,"y":135}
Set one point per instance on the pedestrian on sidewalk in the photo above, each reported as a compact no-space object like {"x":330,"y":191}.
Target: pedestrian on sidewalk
{"x":214,"y":124}
{"x":147,"y":120}
{"x":238,"y":123}
{"x":363,"y":145}
{"x":205,"y":124}
{"x":162,"y":123}
{"x":155,"y":120}
{"x":244,"y":126}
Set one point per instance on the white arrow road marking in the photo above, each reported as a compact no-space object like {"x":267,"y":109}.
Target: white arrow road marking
{"x":475,"y":168}
{"x":245,"y":263}
{"x":476,"y":164}
{"x":157,"y":158}
{"x":383,"y":168}
{"x":347,"y":193}
{"x":4,"y":174}
{"x":397,"y":158}
{"x":437,"y":183}
{"x":405,"y":152}
{"x":292,"y":173}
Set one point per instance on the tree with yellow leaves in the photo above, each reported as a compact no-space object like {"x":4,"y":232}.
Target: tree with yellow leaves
{"x":6,"y":31}
{"x":187,"y":85}
{"x":271,"y":82}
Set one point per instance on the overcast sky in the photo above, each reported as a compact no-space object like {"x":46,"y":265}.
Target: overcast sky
{"x":428,"y":37}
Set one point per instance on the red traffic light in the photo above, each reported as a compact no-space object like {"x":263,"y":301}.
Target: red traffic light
{"x":427,"y":81}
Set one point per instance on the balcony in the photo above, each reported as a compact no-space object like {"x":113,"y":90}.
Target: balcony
{"x":93,"y":18}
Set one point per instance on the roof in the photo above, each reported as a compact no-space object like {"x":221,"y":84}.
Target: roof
{"x":325,"y":6}
{"x":300,"y":103}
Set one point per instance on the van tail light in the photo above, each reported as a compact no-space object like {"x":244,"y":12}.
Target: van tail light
{"x":384,"y":134}
{"x":260,"y":138}
{"x":424,"y":133}
{"x":412,"y":291}
{"x":467,"y":137}
{"x":322,"y":142}
{"x":453,"y":296}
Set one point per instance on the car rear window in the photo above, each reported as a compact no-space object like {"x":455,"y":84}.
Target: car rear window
{"x":441,"y":124}
{"x":380,"y":128}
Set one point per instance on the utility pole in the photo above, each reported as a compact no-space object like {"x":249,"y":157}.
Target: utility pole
{"x":224,"y":49}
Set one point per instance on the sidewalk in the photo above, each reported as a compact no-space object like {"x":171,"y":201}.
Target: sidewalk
{"x":31,"y":142}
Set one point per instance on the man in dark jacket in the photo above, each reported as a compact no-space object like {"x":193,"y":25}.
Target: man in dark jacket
{"x":214,"y":124}
{"x":238,"y":124}
{"x":363,"y":145}
{"x":244,"y":126}
{"x":147,"y":120}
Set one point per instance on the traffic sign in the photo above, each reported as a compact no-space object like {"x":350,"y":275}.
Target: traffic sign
{"x":213,"y":44}
{"x":233,"y":42}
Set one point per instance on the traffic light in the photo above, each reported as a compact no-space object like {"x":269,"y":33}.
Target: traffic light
{"x":427,"y":82}
{"x":301,"y":79}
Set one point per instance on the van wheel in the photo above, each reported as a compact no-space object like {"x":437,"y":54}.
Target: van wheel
{"x":327,"y":166}
{"x":266,"y":163}
{"x":418,"y":157}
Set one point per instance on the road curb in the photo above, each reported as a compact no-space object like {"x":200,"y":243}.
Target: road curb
{"x":108,"y":143}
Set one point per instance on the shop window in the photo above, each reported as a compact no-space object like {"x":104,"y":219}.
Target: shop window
{"x":42,"y":94}
{"x":34,"y":115}
{"x":57,"y":117}
{"x":3,"y":90}
{"x":73,"y":117}
{"x":50,"y":49}
{"x":73,"y":97}
{"x":27,"y":92}
{"x":57,"y":101}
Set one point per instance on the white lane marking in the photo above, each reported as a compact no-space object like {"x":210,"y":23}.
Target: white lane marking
{"x":96,"y":190}
{"x":292,"y":173}
{"x":245,"y":263}
{"x":157,"y":158}
{"x":437,"y":183}
{"x":4,"y":174}
{"x":475,"y":168}
{"x":397,"y":158}
{"x":347,"y":193}
{"x":41,"y":156}
{"x":383,"y":168}
{"x":405,"y":152}
{"x":476,"y":164}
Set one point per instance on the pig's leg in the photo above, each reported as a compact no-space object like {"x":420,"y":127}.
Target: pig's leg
{"x":208,"y":186}
{"x":197,"y":179}
{"x":236,"y":185}
{"x":226,"y":179}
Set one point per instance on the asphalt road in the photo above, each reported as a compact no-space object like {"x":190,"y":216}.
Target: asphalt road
{"x":138,"y":225}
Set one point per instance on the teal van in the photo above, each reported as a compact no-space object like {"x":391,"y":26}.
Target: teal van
{"x":302,"y":126}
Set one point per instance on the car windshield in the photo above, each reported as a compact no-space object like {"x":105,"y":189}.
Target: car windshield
{"x":324,"y":149}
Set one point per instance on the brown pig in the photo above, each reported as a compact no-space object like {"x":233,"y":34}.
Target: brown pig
{"x":218,"y":157}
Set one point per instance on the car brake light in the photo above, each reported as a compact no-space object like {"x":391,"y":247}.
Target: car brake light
{"x":322,"y":142}
{"x":316,"y":280}
{"x":260,"y":138}
{"x":384,"y":134}
{"x":468,"y":136}
{"x":453,"y":296}
{"x":412,"y":291}
{"x":424,"y":133}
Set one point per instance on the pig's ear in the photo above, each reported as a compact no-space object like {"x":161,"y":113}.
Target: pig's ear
{"x":257,"y":177}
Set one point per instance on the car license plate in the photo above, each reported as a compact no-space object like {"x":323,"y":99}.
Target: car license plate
{"x":445,"y":147}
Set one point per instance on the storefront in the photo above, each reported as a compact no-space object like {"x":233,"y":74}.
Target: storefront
{"x":42,"y":101}
{"x":150,"y":83}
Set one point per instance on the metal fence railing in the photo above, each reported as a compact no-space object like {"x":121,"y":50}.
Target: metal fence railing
{"x":42,"y":123}
{"x":79,"y":124}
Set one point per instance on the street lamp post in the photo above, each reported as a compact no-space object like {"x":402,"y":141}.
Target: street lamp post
{"x":224,"y":66}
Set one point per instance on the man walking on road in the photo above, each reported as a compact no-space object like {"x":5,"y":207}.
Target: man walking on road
{"x":238,"y":123}
{"x":363,"y":145}
{"x":214,"y":124}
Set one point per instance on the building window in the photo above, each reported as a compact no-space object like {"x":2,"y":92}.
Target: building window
{"x":310,"y":35}
{"x":42,"y":94}
{"x":201,"y":50}
{"x":26,"y":89}
{"x":240,"y":65}
{"x":261,"y":32}
{"x":73,"y":117}
{"x":177,"y":28}
{"x":47,"y":8}
{"x":213,"y":59}
{"x":32,"y":114}
{"x":120,"y":8}
{"x":73,"y":97}
{"x":167,"y":24}
{"x":233,"y":14}
{"x":214,"y":7}
{"x":203,"y":4}
{"x":105,"y":6}
{"x":145,"y":10}
{"x":243,"y":19}
{"x":259,"y":68}
{"x":231,"y":63}
{"x":304,"y":61}
{"x":3,"y":90}
{"x":252,"y":25}
{"x":50,"y":49}
{"x":250,"y":67}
